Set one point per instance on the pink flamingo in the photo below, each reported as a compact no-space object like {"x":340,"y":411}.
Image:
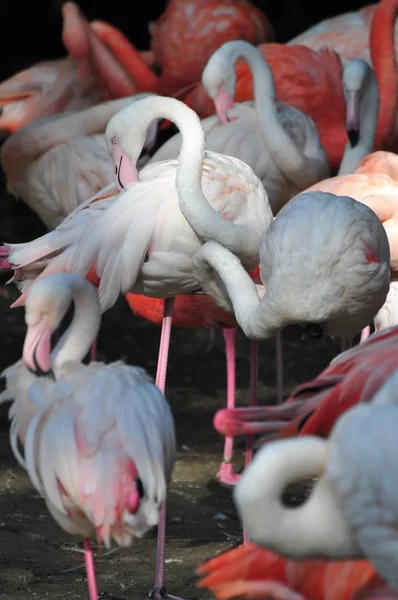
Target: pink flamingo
{"x":353,"y":501}
{"x":56,"y":163}
{"x":140,"y":240}
{"x":98,"y":440}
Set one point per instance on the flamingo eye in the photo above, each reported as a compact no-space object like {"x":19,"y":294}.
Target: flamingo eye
{"x":114,"y":140}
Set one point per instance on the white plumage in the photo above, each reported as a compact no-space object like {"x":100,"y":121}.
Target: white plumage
{"x":88,"y":432}
{"x":140,"y":241}
{"x":280,"y":143}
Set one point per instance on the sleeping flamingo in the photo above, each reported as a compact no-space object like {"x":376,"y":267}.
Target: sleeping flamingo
{"x":250,"y":572}
{"x":353,"y":501}
{"x":312,"y":82}
{"x":98,"y":440}
{"x":183,"y":39}
{"x":284,"y":149}
{"x":54,"y":164}
{"x":139,"y":240}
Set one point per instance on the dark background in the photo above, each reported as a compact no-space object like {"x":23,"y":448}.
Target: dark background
{"x":31,"y":28}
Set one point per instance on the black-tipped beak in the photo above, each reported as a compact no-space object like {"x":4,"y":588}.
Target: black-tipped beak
{"x":353,"y":136}
{"x":38,"y":371}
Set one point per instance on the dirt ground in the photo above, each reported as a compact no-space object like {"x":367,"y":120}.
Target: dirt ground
{"x":37,"y":559}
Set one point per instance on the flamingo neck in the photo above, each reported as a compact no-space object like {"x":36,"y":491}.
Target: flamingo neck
{"x":382,"y":50}
{"x":315,"y":529}
{"x":76,"y":341}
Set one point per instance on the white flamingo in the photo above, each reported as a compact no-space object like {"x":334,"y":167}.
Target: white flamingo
{"x":56,"y":163}
{"x":98,"y":440}
{"x":140,"y":240}
{"x":279,"y":142}
{"x":352,"y":511}
{"x":324,"y":261}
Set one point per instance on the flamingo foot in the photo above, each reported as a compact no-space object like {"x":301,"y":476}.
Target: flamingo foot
{"x":226,"y":475}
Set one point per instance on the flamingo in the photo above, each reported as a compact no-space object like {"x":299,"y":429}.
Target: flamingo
{"x":311,"y":81}
{"x":353,"y":501}
{"x":250,"y":572}
{"x":314,"y":406}
{"x":89,"y":74}
{"x":98,"y":440}
{"x":388,"y":314}
{"x":284,"y":149}
{"x":139,"y":240}
{"x":31,"y":159}
{"x":304,"y":271}
{"x":56,"y":163}
{"x":185,"y":36}
{"x":347,"y":34}
{"x":376,"y":189}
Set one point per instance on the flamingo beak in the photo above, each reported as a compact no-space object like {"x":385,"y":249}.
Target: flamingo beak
{"x":37,"y":348}
{"x":352,"y":117}
{"x":223,"y":102}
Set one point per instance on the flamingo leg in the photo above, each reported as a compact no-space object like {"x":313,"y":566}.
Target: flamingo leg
{"x":226,"y":474}
{"x":159,"y":590}
{"x":90,"y":570}
{"x":93,"y":351}
{"x":253,"y":400}
{"x":365,"y":334}
{"x":279,"y":367}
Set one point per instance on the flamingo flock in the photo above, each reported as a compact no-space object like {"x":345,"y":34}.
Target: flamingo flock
{"x":275,"y":204}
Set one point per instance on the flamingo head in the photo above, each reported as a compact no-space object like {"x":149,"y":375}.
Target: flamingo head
{"x":356,"y":77}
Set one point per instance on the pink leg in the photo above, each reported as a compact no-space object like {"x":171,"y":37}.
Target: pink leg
{"x":226,"y":474}
{"x":279,"y":367}
{"x":365,"y":334}
{"x":253,"y":400}
{"x":159,"y":591}
{"x":93,"y":352}
{"x":91,"y":582}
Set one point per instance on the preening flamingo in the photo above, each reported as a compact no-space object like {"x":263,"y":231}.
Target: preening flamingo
{"x":56,"y":163}
{"x":312,"y":82}
{"x":98,"y":440}
{"x":140,"y":241}
{"x":284,"y":148}
{"x":314,"y":406}
{"x":250,"y":572}
{"x":353,"y":502}
{"x":305,"y":270}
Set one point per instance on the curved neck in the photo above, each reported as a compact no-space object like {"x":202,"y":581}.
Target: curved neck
{"x":315,"y":529}
{"x":382,"y":50}
{"x":77,"y":339}
{"x":244,"y":240}
{"x":32,"y":141}
{"x":259,"y":319}
{"x":368,"y":119}
{"x":286,"y":155}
